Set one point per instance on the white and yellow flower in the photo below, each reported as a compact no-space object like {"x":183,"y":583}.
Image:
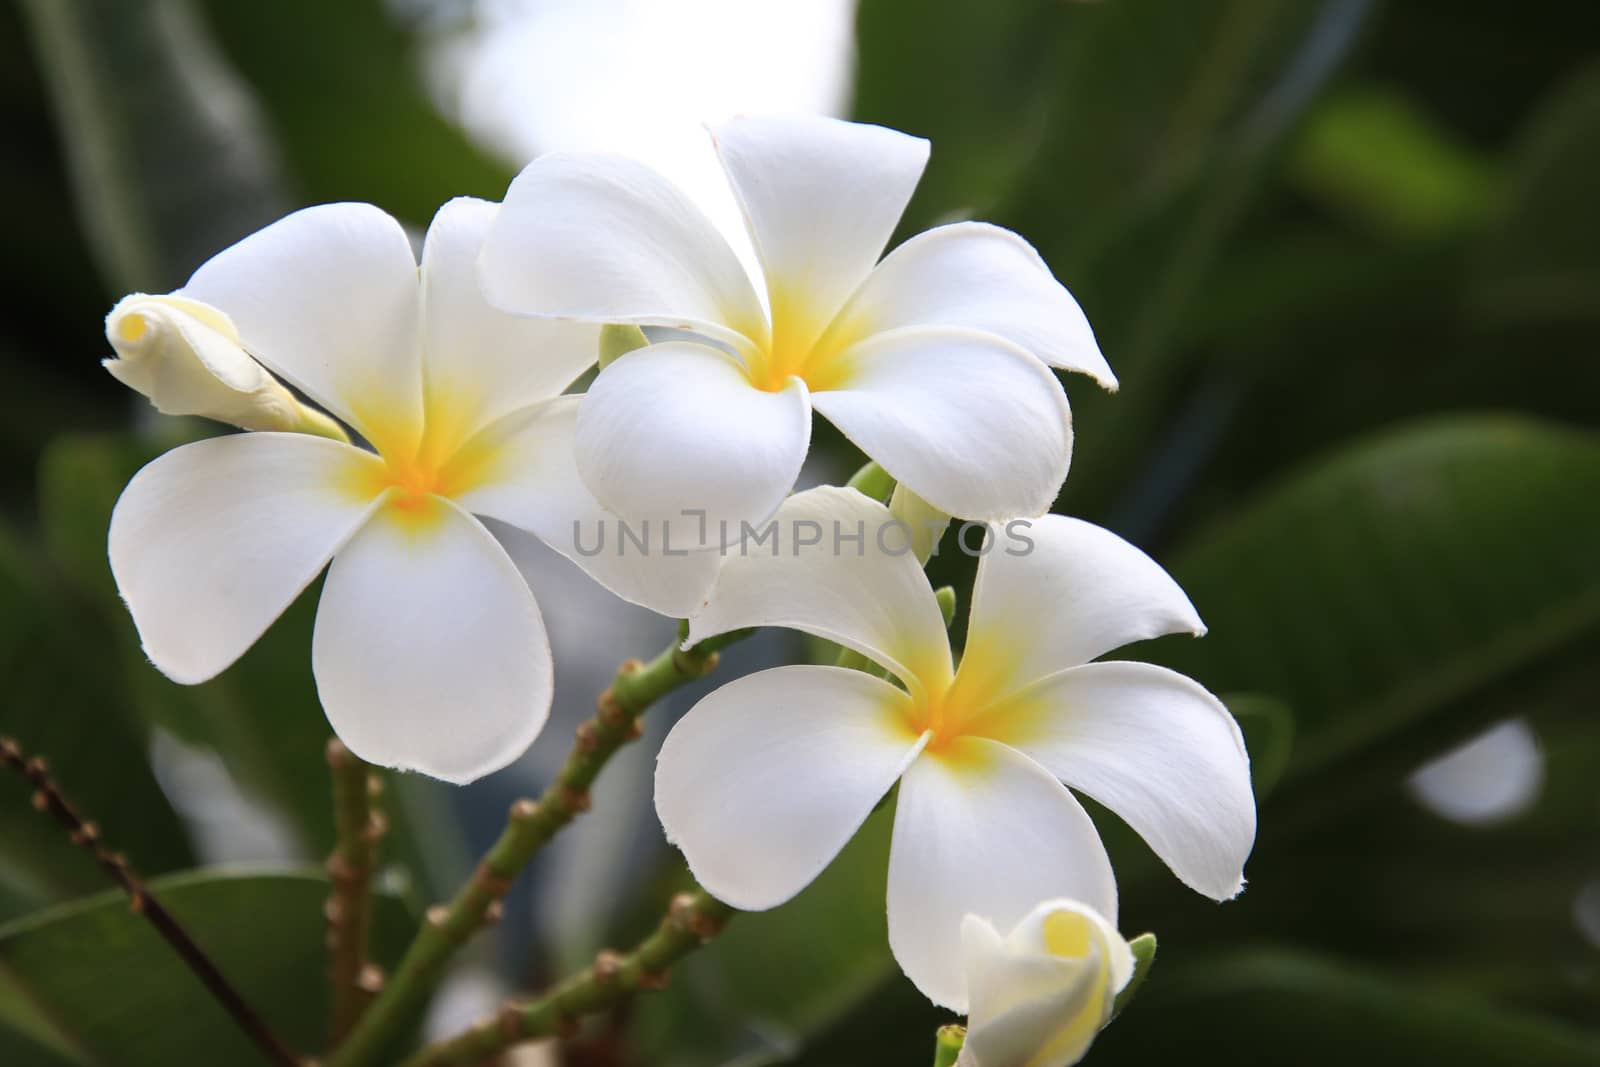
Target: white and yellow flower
{"x":429,"y":652}
{"x":933,"y":361}
{"x":764,"y":781}
{"x":1039,"y":995}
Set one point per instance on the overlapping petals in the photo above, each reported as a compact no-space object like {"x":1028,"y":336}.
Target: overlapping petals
{"x":933,"y":361}
{"x":430,"y":652}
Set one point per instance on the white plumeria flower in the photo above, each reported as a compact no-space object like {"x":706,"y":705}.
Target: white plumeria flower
{"x":764,"y":781}
{"x":932,"y":361}
{"x":1039,"y":995}
{"x":187,"y":359}
{"x":429,"y":653}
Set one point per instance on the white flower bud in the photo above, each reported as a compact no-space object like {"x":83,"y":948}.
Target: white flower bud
{"x":1038,"y":997}
{"x":187,"y":358}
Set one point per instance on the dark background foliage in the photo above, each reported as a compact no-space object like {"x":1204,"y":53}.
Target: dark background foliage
{"x":1345,"y":257}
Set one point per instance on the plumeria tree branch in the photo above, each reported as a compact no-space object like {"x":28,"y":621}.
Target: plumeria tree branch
{"x":48,"y":798}
{"x":531,"y":825}
{"x":359,"y":828}
{"x":693,"y":919}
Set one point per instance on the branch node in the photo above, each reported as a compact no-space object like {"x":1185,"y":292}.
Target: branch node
{"x":492,"y":882}
{"x":607,"y":965}
{"x":370,"y":980}
{"x":510,"y":1020}
{"x":576,"y":800}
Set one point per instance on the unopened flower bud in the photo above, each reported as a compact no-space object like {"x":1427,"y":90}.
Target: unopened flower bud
{"x":187,"y":358}
{"x":1038,"y":997}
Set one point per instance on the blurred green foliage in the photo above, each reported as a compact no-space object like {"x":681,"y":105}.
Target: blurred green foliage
{"x":1344,"y":256}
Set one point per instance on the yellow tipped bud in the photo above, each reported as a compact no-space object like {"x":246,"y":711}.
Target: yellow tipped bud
{"x":186,"y":357}
{"x":1038,"y":996}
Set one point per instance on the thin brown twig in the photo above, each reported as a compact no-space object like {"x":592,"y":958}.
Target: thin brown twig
{"x":359,"y":828}
{"x":47,"y":798}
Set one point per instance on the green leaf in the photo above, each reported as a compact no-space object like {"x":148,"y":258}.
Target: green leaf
{"x":165,"y":145}
{"x":1268,"y":735}
{"x":1374,"y":156}
{"x":1144,"y":955}
{"x":1543,"y":262}
{"x":1378,"y":590}
{"x":1283,"y":1007}
{"x":115,"y":992}
{"x":1162,"y":135}
{"x":64,"y":703}
{"x":351,"y":113}
{"x":974,"y":78}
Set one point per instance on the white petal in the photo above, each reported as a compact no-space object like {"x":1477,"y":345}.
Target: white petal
{"x":533,"y":484}
{"x":766,"y":779}
{"x":479,"y":362}
{"x":821,"y":197}
{"x":982,"y":829}
{"x":1154,"y":747}
{"x":825,"y":570}
{"x":429,"y":651}
{"x":677,"y":428}
{"x":974,"y":425}
{"x":328,"y":298}
{"x":212,"y":541}
{"x":603,"y":238}
{"x":981,"y":277}
{"x":1057,"y":592}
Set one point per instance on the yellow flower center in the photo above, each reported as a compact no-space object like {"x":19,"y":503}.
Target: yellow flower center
{"x":803,"y":345}
{"x":973,"y":703}
{"x":441,"y":467}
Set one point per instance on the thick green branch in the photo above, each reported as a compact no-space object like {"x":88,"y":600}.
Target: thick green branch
{"x":531,"y":825}
{"x":359,"y":828}
{"x":693,"y":919}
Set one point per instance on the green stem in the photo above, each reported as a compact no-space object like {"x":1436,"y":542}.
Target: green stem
{"x":694,"y":919}
{"x":350,"y":866}
{"x":947,"y":1045}
{"x":531,"y":825}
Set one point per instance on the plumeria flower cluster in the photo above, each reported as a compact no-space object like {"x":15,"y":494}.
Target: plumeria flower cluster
{"x":406,"y":420}
{"x":429,"y":650}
